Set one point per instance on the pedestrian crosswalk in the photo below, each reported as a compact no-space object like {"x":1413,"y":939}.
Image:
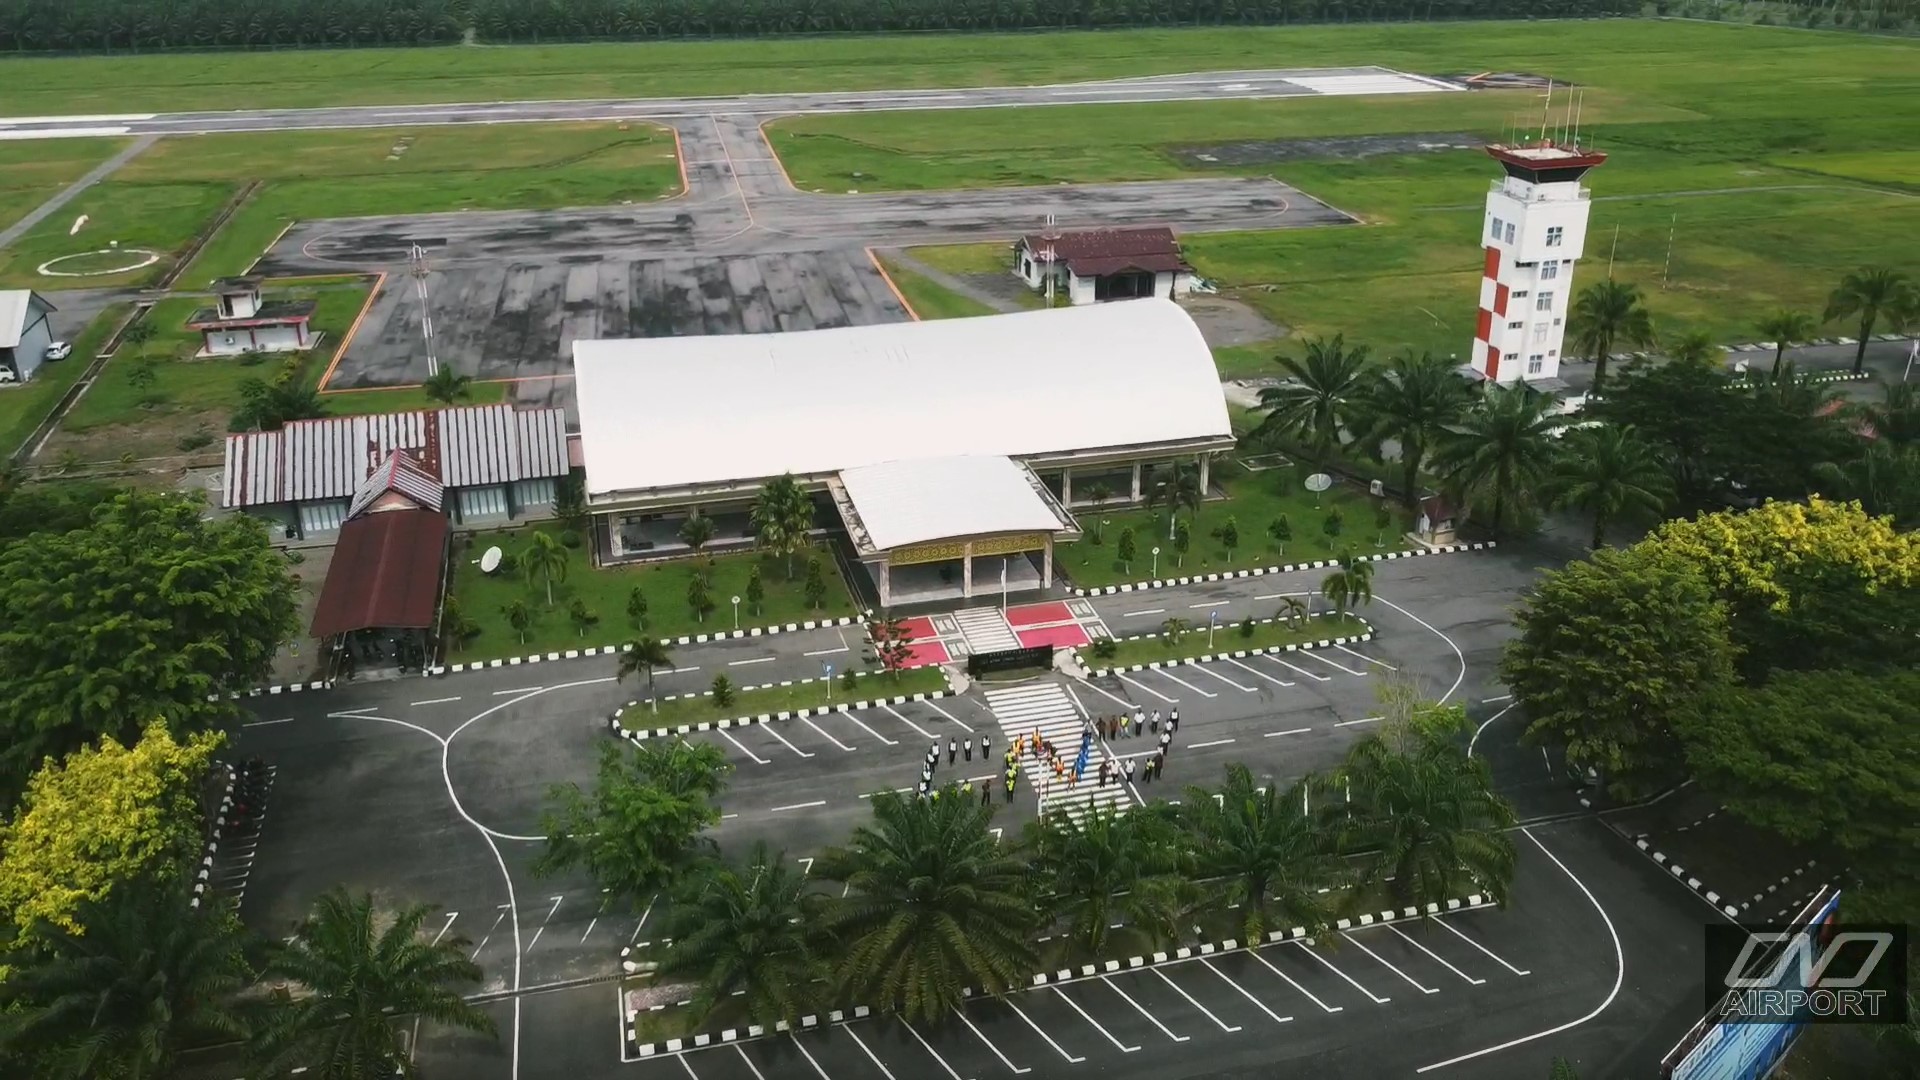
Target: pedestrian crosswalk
{"x":1046,"y":708}
{"x":986,"y":630}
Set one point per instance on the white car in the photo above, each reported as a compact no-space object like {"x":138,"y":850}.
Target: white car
{"x":7,"y":375}
{"x":59,"y":350}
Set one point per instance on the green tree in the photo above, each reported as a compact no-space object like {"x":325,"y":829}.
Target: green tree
{"x":756,"y":591}
{"x":447,"y":386}
{"x":722,"y":691}
{"x":815,"y":587}
{"x":147,"y":979}
{"x":1097,"y":493}
{"x":1175,"y":628}
{"x":138,"y":333}
{"x":1885,"y":481}
{"x":1228,"y":533}
{"x":570,"y":500}
{"x":1349,"y":586}
{"x":637,"y":608}
{"x":1786,"y":328}
{"x":1502,"y":451}
{"x":105,"y":816}
{"x":143,"y":374}
{"x":1611,"y":473}
{"x":1175,"y":487}
{"x":1126,"y":550}
{"x":1101,"y":869}
{"x":146,"y":613}
{"x":1696,"y":347}
{"x":782,"y":518}
{"x":1610,"y":649}
{"x":642,"y":656}
{"x":696,"y":532}
{"x":1333,"y":523}
{"x":643,"y":826}
{"x":361,"y":975}
{"x":1867,"y":294}
{"x":934,"y":904}
{"x":1413,"y":401}
{"x":582,"y":617}
{"x":1292,"y":611}
{"x":699,"y":596}
{"x":1430,"y":816}
{"x":1280,"y":531}
{"x":1260,"y":851}
{"x":1605,"y":314}
{"x":545,"y":559}
{"x":269,"y":406}
{"x":751,"y":933}
{"x":1316,"y":400}
{"x":518,"y":616}
{"x":1182,"y":540}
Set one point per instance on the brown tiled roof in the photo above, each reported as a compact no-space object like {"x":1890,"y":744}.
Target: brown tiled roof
{"x":385,"y":572}
{"x":1105,"y":251}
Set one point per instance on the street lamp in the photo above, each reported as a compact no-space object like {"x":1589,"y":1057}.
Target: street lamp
{"x":736,"y":613}
{"x":1156,"y":562}
{"x":1213,"y":620}
{"x":1003,"y":584}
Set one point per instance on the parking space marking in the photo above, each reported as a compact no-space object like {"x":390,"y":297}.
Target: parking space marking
{"x":1110,"y":694}
{"x":489,"y":935}
{"x":1141,"y":686}
{"x":1124,"y":1048}
{"x":862,"y":1043}
{"x":803,"y":1053}
{"x":266,"y":723}
{"x":1210,"y":604}
{"x":1278,"y":595}
{"x":1137,"y":614}
{"x":827,"y":652}
{"x":1289,"y":731}
{"x":1071,"y":1060}
{"x":1203,"y":693}
{"x":798,"y":806}
{"x":823,"y":734}
{"x":641,"y":925}
{"x":962,"y":1014}
{"x":1443,"y":924}
{"x":1257,"y":673}
{"x":753,"y":660}
{"x":1204,"y":745}
{"x":949,"y":716}
{"x":451,"y":915}
{"x":1137,"y":1007}
{"x":685,"y":1064}
{"x":751,"y":1067}
{"x":1255,"y":953}
{"x":1277,"y":1018}
{"x":1436,"y":957}
{"x":929,"y":1049}
{"x":1364,"y":656}
{"x":1324,"y":962}
{"x":898,"y":715}
{"x":543,"y":922}
{"x":1208,"y":1013}
{"x":1313,"y":655}
{"x":870,"y":731}
{"x":1358,"y":944}
{"x":1314,"y":675}
{"x":1207,"y":669}
{"x":436,"y":701}
{"x":739,"y":746}
{"x":1362,"y":720}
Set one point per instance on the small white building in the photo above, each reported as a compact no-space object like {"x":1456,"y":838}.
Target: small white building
{"x":24,"y":332}
{"x":1095,"y":265}
{"x":240,"y":322}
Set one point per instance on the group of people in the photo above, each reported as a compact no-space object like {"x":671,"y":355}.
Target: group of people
{"x":955,"y":749}
{"x":1058,"y":767}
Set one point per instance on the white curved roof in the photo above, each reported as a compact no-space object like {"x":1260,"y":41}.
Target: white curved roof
{"x":670,"y":412}
{"x":920,"y":499}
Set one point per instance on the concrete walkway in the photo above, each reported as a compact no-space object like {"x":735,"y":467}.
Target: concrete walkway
{"x":72,"y":191}
{"x":951,"y":282}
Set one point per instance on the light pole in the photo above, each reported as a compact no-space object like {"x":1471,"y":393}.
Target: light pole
{"x":1156,"y":562}
{"x":1213,"y":620}
{"x":827,"y":668}
{"x":736,"y":613}
{"x":1003,"y":584}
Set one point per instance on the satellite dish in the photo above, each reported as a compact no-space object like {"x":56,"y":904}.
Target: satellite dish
{"x":1319,"y":482}
{"x":490,"y":561}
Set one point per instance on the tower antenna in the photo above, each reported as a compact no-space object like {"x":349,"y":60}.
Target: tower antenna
{"x":1546,"y":111}
{"x":417,"y":267}
{"x":1580,"y":104}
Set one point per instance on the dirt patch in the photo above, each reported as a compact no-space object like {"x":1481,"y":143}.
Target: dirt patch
{"x":1341,"y":148}
{"x":1226,"y":322}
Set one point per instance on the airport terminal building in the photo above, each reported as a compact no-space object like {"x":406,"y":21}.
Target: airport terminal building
{"x":954,"y":453}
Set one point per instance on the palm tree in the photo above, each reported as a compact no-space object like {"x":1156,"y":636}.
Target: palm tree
{"x":1430,"y":815}
{"x":1097,"y":492}
{"x":1786,"y":327}
{"x":1176,"y":487}
{"x":149,"y":977}
{"x":1292,"y":611}
{"x":1896,"y":416}
{"x":1610,"y":472}
{"x":782,"y":517}
{"x":1869,"y":292}
{"x":1104,"y":866}
{"x":1603,"y":315}
{"x":1260,"y":850}
{"x":357,"y":976}
{"x":641,"y":656}
{"x":1315,"y":402}
{"x":1503,"y":449}
{"x":1349,"y":586}
{"x":1696,"y":347}
{"x":447,"y":386}
{"x":749,"y":930}
{"x":1885,"y":480}
{"x":545,"y":557}
{"x":933,"y":905}
{"x":1411,"y":401}
{"x":696,"y":531}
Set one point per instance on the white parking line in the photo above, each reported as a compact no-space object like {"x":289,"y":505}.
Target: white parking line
{"x":1255,"y":953}
{"x":264,"y":723}
{"x":798,"y":806}
{"x":827,"y":652}
{"x":436,"y":701}
{"x":1110,"y":694}
{"x":1277,"y":1018}
{"x":1289,"y":731}
{"x":1257,"y":673}
{"x":1208,"y":1013}
{"x":1308,"y":949}
{"x":743,"y":1057}
{"x":870,"y":731}
{"x":1309,"y":653}
{"x":1137,"y":614}
{"x":679,"y":670}
{"x":1137,"y":1007}
{"x":1314,"y":675}
{"x":903,"y":719}
{"x":1188,"y":685}
{"x":522,"y":690}
{"x":855,"y":1036}
{"x":1368,"y":659}
{"x":949,"y":716}
{"x":1207,"y":669}
{"x":1443,"y":924}
{"x":803,"y":1053}
{"x":928,"y":1049}
{"x":1214,"y":603}
{"x":1124,"y":1048}
{"x":451,"y":915}
{"x":1071,"y":1060}
{"x":736,"y":742}
{"x":1362,"y":720}
{"x":1142,"y":686}
{"x":1278,"y":595}
{"x":1436,"y":957}
{"x":961,"y":1013}
{"x":755,"y":660}
{"x":1491,"y":700}
{"x":1204,"y":745}
{"x":1389,"y":966}
{"x":685,"y":1064}
{"x":771,"y":730}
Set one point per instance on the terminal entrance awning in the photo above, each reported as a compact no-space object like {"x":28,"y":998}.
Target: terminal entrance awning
{"x":906,"y":507}
{"x":385,"y":573}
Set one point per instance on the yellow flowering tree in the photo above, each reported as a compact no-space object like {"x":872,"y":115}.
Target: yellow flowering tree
{"x":107,"y":814}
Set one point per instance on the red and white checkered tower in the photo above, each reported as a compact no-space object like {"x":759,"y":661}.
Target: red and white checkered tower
{"x":1535,"y":231}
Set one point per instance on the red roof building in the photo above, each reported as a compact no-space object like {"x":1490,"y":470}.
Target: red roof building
{"x":1095,"y":265}
{"x":386,"y":573}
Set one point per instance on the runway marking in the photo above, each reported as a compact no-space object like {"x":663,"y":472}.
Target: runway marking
{"x":727,"y":735}
{"x":743,"y":1057}
{"x":1314,"y":675}
{"x":1188,"y":685}
{"x":949,"y":716}
{"x":1484,"y":724}
{"x":1364,"y":656}
{"x":870,"y":731}
{"x":1442,"y":923}
{"x":264,"y":723}
{"x":1137,"y":614}
{"x":1362,"y":720}
{"x":436,"y":701}
{"x":1257,"y":673}
{"x":1071,"y":1060}
{"x":1124,"y":1048}
{"x":1324,"y":1007}
{"x":1358,"y":944}
{"x":1277,"y":1018}
{"x":1310,"y":654}
{"x":1223,"y":1025}
{"x":1308,"y":949}
{"x":823,"y":734}
{"x":1289,"y":731}
{"x":1619,"y":973}
{"x":521,"y":690}
{"x":827,"y":652}
{"x":1151,"y":1019}
{"x":1213,"y":604}
{"x":962,"y":1014}
{"x":798,"y":806}
{"x":1204,"y":745}
{"x":1207,"y":669}
{"x":755,"y":660}
{"x":903,"y":719}
{"x":923,"y":1044}
{"x":1436,"y":956}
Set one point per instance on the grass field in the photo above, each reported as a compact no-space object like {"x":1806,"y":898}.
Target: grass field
{"x":483,"y":596}
{"x":161,"y":218}
{"x":930,"y":299}
{"x":33,"y":171}
{"x":778,"y":699}
{"x":1227,"y":638}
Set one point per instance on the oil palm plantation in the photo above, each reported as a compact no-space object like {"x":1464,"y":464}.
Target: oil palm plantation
{"x":1318,"y":399}
{"x":1410,"y":401}
{"x":1429,"y":815}
{"x":1349,"y":586}
{"x":782,"y":518}
{"x":934,"y":904}
{"x":1605,"y":314}
{"x":1102,"y":868}
{"x":642,"y":656}
{"x":1868,"y":294}
{"x":447,"y":386}
{"x":1786,"y":328}
{"x":358,"y":976}
{"x":1501,"y":452}
{"x":148,"y":977}
{"x":1608,"y":471}
{"x":752,"y":931}
{"x":1260,"y":850}
{"x":545,"y":559}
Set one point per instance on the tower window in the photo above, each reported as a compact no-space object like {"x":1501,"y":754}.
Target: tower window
{"x":1549,"y":271}
{"x":1536,"y":363}
{"x":1516,"y":326}
{"x":1509,"y":232}
{"x":1554,"y":234}
{"x":1539,"y":331}
{"x":1519,"y":294}
{"x":1495,"y":231}
{"x":1544,"y":302}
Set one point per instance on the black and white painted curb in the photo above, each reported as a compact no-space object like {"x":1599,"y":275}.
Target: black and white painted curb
{"x":684,"y":639}
{"x":1049,"y":978}
{"x":1260,"y":571}
{"x":203,"y":877}
{"x":635,"y":735}
{"x":1785,"y":880}
{"x":1768,"y":346}
{"x":1731,"y":911}
{"x":277,"y":688}
{"x":1235,"y":654}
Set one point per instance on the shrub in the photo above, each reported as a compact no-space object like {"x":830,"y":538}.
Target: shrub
{"x":722,"y":691}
